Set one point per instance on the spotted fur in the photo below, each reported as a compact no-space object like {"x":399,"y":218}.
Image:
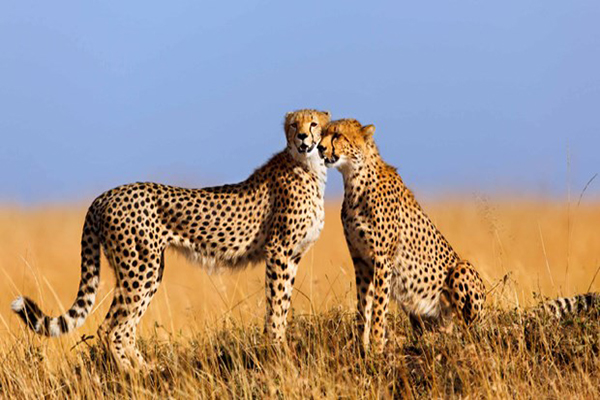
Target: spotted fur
{"x":274,"y":216}
{"x":396,"y":249}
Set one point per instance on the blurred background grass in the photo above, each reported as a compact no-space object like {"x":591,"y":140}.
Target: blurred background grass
{"x":206,"y":330}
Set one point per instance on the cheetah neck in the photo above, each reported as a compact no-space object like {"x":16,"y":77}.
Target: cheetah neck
{"x":311,"y":163}
{"x":360,"y":176}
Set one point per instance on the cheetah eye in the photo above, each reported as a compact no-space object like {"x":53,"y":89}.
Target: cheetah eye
{"x":313,"y":124}
{"x":294,"y":125}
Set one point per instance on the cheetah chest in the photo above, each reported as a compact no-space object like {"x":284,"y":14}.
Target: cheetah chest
{"x":315,"y":212}
{"x":315,"y":225}
{"x":357,"y":229}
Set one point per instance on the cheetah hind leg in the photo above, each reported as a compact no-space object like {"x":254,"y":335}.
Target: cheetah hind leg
{"x":114,"y":332}
{"x":111,"y":333}
{"x":121,"y":339}
{"x":104,"y":330}
{"x":118,"y":331}
{"x":464,"y":293}
{"x":138,"y":306}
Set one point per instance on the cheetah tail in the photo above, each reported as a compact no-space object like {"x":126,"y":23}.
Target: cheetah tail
{"x":45,"y":325}
{"x":570,"y":305}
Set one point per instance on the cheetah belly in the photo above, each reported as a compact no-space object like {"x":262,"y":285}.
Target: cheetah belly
{"x":248,"y":250}
{"x":426,"y":303}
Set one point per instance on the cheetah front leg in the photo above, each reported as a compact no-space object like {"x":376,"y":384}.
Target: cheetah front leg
{"x":280,"y":278}
{"x":382,"y":277}
{"x":363,"y":272}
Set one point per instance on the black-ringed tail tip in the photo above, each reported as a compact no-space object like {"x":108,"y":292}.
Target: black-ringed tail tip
{"x":35,"y":319}
{"x":18,"y":304}
{"x":29,"y":312}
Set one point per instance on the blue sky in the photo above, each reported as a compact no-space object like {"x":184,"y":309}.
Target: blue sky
{"x":467,"y":96}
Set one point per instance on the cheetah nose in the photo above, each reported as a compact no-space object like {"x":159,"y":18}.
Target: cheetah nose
{"x":302,"y":136}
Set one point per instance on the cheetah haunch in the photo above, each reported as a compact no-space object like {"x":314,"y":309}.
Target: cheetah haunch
{"x":275,"y":215}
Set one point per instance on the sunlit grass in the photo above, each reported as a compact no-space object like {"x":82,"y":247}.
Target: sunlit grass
{"x":205,"y":331}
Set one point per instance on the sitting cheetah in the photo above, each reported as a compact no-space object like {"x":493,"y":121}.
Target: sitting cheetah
{"x":395,"y":246}
{"x":275,"y":215}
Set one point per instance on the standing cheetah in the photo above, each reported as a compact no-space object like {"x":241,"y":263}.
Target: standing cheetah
{"x":275,"y":215}
{"x":395,"y":246}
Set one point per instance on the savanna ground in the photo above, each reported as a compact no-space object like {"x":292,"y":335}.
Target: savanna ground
{"x":206,"y":330}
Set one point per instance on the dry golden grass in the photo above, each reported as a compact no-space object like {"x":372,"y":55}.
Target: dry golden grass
{"x":206,"y":329}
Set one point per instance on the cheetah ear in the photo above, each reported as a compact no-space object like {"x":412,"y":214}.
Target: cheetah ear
{"x":368,"y":131}
{"x":327,"y":115}
{"x":286,"y":120}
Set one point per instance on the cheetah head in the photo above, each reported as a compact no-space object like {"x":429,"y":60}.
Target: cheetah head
{"x":303,"y":130}
{"x":345,"y":142}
